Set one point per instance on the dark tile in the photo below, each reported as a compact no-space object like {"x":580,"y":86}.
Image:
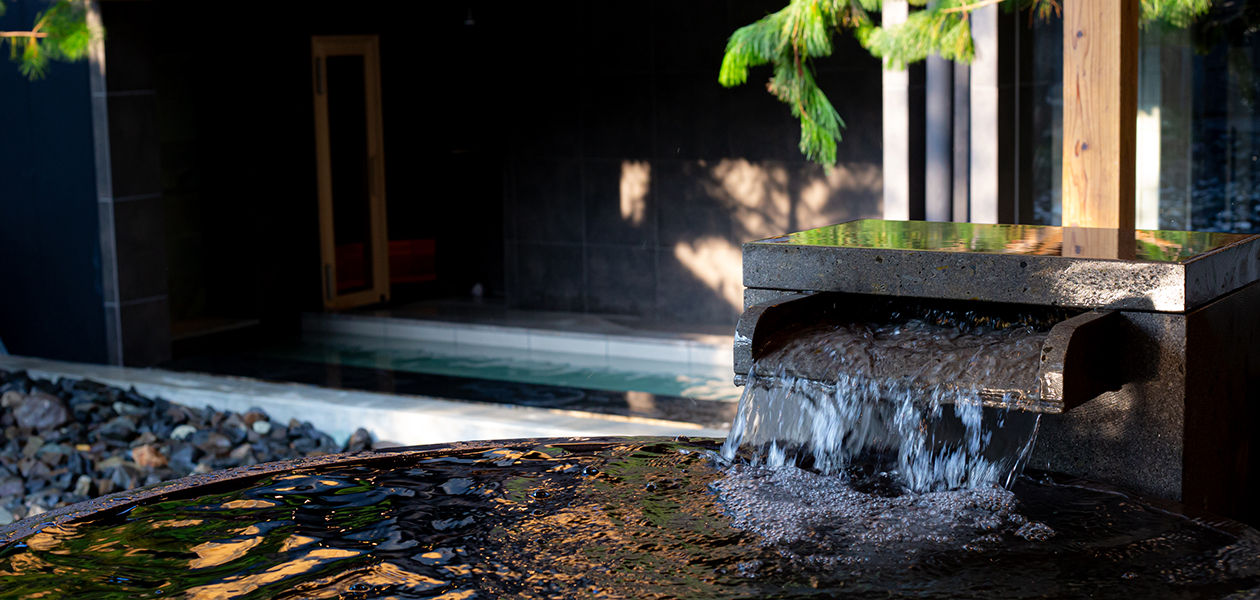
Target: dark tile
{"x":545,"y":122}
{"x":692,"y":117}
{"x":848,"y":55}
{"x":689,"y":201}
{"x":134,"y":147}
{"x":692,"y":34}
{"x":620,"y":208}
{"x":745,"y":12}
{"x":621,"y":280}
{"x":548,"y":201}
{"x":617,"y":115}
{"x":862,"y":137}
{"x":548,"y":276}
{"x":146,"y":333}
{"x":697,"y":293}
{"x":139,"y":233}
{"x":511,"y":270}
{"x":129,"y":51}
{"x":766,"y":129}
{"x":615,"y":37}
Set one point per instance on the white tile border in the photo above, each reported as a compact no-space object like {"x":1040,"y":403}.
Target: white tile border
{"x":712,"y":350}
{"x":497,"y":337}
{"x":404,"y":419}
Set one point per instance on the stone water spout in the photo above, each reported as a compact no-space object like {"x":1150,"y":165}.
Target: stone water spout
{"x":1149,"y":372}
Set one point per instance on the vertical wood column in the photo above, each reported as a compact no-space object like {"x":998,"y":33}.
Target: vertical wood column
{"x":896,"y":95}
{"x":1099,"y":113}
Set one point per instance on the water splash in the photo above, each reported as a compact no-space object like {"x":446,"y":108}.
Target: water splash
{"x":908,"y":396}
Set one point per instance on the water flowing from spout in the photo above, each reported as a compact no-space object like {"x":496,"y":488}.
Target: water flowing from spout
{"x":906,"y":398}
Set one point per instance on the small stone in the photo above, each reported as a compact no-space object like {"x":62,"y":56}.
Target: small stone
{"x":359,"y":440}
{"x":41,"y":411}
{"x":240,"y":452}
{"x":182,"y":432}
{"x":119,"y":428}
{"x":11,"y":398}
{"x":254,"y":415}
{"x":104,"y":486}
{"x":33,"y":444}
{"x":109,"y":463}
{"x":125,"y":409}
{"x":83,"y":485}
{"x":148,"y":457}
{"x":145,"y":438}
{"x":52,"y":454}
{"x":61,"y":479}
{"x":261,"y":427}
{"x":216,"y":444}
{"x":235,"y":421}
{"x":12,"y":486}
{"x":122,"y":479}
{"x":6,"y":517}
{"x":33,"y":469}
{"x":183,"y":458}
{"x":280,"y":434}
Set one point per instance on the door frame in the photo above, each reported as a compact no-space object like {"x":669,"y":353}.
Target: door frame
{"x":367,"y":46}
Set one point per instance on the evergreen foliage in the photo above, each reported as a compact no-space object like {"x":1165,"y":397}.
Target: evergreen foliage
{"x":790,"y":39}
{"x":59,"y":33}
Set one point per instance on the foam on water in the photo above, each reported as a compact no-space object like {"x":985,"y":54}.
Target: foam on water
{"x":907,"y":394}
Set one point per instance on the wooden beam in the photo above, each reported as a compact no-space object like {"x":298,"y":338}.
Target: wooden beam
{"x":1100,"y":43}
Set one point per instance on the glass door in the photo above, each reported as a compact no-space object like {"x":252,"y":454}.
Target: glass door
{"x":354,"y":246}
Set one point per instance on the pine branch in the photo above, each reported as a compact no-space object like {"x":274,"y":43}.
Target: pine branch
{"x":60,"y":33}
{"x":789,"y":39}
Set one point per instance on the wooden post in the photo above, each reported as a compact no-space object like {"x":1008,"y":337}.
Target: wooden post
{"x":1100,"y":43}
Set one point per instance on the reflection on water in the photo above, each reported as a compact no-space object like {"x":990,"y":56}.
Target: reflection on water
{"x":700,"y":382}
{"x":1162,"y":246}
{"x":629,"y":519}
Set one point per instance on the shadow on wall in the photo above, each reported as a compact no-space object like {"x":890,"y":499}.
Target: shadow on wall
{"x":765,"y":201}
{"x":661,"y":238}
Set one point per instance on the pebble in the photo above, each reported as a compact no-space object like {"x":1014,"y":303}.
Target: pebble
{"x":41,"y":411}
{"x":83,"y":485}
{"x":69,"y":441}
{"x":11,"y":398}
{"x":182,"y":432}
{"x":148,"y":457}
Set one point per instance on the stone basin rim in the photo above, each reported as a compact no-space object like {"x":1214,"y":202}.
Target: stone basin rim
{"x":125,"y":500}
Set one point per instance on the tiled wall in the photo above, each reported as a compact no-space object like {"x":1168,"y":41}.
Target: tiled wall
{"x":139,"y":242}
{"x":634,"y":176}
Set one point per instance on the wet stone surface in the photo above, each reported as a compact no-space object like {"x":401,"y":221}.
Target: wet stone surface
{"x":68,"y":441}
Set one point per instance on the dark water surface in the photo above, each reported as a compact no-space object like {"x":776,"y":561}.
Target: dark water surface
{"x":626,"y":519}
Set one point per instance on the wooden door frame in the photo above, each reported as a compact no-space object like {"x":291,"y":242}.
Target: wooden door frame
{"x":367,"y":46}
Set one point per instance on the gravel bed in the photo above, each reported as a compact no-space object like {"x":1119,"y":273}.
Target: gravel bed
{"x":72,"y":440}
